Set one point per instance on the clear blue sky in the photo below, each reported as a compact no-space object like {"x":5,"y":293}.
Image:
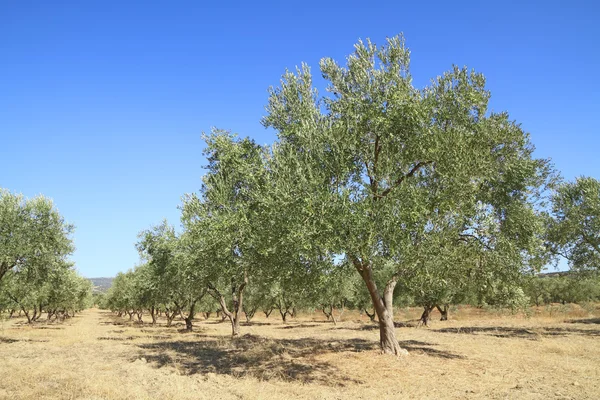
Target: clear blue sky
{"x":102,"y":104}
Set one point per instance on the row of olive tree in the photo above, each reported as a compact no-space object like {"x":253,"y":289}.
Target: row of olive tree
{"x":411,"y":192}
{"x":35,"y":274}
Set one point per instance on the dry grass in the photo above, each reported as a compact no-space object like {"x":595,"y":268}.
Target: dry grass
{"x":553,"y":354}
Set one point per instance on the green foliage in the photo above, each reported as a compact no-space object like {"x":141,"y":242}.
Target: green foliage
{"x":394,"y":177}
{"x":34,"y":237}
{"x":567,"y":288}
{"x":573,"y":227}
{"x":35,"y":274}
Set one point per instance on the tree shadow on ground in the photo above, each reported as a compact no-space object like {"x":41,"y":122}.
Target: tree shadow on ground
{"x":11,"y":340}
{"x":256,"y":323}
{"x":375,"y":326}
{"x":49,"y":327}
{"x":268,"y":358}
{"x":520,"y":333}
{"x":584,"y":321}
{"x":418,"y":347}
{"x":257,"y":356}
{"x":297,"y":326}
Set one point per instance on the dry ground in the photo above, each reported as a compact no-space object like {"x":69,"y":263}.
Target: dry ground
{"x":554,"y":354}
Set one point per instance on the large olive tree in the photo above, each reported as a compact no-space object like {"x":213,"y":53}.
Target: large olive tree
{"x":378,"y":163}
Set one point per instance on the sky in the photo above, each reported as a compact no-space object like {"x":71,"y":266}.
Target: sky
{"x":103,"y":104}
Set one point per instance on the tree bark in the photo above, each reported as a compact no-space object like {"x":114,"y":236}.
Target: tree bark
{"x":237,"y":293}
{"x":426,"y":316}
{"x":153,"y":313}
{"x":443,"y":312}
{"x":383,"y":307}
{"x":327,"y":313}
{"x":27,"y":315}
{"x":268,"y":312}
{"x":188,"y":319}
{"x":249,"y":312}
{"x":170,"y":316}
{"x":371,"y":316}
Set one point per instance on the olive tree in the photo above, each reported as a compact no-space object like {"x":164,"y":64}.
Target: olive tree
{"x":221,"y":221}
{"x":33,"y":234}
{"x":377,"y":161}
{"x":173,"y":281}
{"x":573,"y":229}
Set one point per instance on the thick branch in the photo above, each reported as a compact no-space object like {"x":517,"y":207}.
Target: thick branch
{"x":464,"y":236}
{"x":408,"y":175}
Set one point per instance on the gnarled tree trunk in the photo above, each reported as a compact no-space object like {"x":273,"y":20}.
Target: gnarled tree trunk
{"x":443,"y":312}
{"x":383,"y":307}
{"x":153,"y":313}
{"x":237,"y":294}
{"x":426,"y":316}
{"x":268,"y":312}
{"x":371,"y":315}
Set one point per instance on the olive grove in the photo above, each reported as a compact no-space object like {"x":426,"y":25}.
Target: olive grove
{"x":374,"y":191}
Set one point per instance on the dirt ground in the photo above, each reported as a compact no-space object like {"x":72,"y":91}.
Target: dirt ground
{"x":552,"y":354}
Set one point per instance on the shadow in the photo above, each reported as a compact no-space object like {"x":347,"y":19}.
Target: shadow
{"x":255,"y":323}
{"x":217,"y":322}
{"x":118,"y":339}
{"x":115,"y":323}
{"x":520,"y":333}
{"x":375,"y":326}
{"x":49,"y":327}
{"x":267,"y":358}
{"x":256,"y":356}
{"x":418,"y":347}
{"x":297,"y":326}
{"x":584,"y":321}
{"x":10,"y":340}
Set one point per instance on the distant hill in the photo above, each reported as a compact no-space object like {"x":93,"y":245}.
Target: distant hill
{"x":101,"y":284}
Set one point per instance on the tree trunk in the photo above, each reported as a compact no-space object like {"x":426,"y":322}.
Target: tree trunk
{"x":268,"y":312}
{"x":153,"y":313}
{"x":170,"y":316}
{"x":383,"y":307}
{"x":426,"y":316}
{"x":443,"y":312}
{"x":327,"y":313}
{"x":371,"y":316}
{"x":249,"y":312}
{"x":237,"y":294}
{"x":188,"y":319}
{"x":27,"y":315}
